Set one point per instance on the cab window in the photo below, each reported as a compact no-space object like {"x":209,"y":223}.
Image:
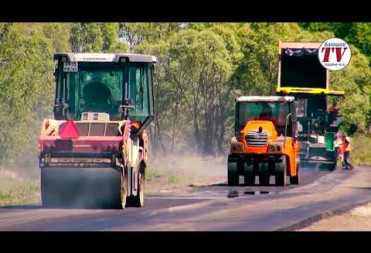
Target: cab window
{"x":138,"y":92}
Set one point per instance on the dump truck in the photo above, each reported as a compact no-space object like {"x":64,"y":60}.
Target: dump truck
{"x":300,"y":74}
{"x":94,"y":151}
{"x":265,"y":141}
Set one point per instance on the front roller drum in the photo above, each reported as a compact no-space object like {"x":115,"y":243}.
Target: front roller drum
{"x":233,"y":178}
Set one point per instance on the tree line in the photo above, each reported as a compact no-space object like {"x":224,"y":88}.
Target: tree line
{"x":201,"y":68}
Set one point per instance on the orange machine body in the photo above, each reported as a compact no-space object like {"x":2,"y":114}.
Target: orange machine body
{"x":287,"y":146}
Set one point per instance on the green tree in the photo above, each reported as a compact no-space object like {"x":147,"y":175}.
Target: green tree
{"x":135,"y":33}
{"x":195,"y":67}
{"x":26,"y":55}
{"x":96,"y":37}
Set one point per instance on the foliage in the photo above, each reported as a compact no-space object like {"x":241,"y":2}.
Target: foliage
{"x":25,"y":88}
{"x":361,"y":145}
{"x":96,"y":37}
{"x":201,"y":68}
{"x":358,"y":34}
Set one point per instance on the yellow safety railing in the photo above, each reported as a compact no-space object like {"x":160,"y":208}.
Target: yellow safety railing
{"x":309,"y":91}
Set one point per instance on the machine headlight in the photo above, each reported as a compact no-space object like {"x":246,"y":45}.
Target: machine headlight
{"x":278,"y":148}
{"x":271,"y":148}
{"x":239,"y":136}
{"x":236,"y":147}
{"x":274,"y":148}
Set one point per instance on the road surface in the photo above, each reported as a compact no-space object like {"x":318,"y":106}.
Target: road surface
{"x":208,"y":208}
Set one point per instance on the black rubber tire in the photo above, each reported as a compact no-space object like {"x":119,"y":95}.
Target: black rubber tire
{"x":264,"y":173}
{"x":233,"y":179}
{"x":124,"y":188}
{"x":138,"y":200}
{"x":296,"y":179}
{"x":281,"y":172}
{"x":249,"y":174}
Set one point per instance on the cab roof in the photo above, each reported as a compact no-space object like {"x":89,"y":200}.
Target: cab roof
{"x":101,"y":57}
{"x":265,"y":99}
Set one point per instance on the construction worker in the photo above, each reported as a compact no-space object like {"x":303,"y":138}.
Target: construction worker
{"x":334,"y":107}
{"x":266,"y":112}
{"x":338,"y":144}
{"x":346,"y":149}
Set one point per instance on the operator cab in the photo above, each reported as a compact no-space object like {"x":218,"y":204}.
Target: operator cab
{"x":119,"y":85}
{"x":274,"y":108}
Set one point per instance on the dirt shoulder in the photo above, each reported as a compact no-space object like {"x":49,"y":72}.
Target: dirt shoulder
{"x":358,"y":219}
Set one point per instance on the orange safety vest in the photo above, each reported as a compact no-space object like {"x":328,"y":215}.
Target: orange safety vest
{"x":333,"y":109}
{"x":338,"y":143}
{"x":346,"y":144}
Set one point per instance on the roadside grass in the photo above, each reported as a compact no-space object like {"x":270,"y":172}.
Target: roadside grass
{"x":18,"y":189}
{"x":361,"y":150}
{"x":160,"y":176}
{"x":171,"y":173}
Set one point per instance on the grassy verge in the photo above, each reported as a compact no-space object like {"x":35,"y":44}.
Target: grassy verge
{"x":18,"y":189}
{"x":361,"y":150}
{"x":173,"y":173}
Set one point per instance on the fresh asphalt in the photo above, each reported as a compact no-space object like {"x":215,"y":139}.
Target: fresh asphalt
{"x":217,"y":207}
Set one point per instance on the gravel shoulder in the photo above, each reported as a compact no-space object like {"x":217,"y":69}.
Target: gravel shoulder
{"x":357,"y":219}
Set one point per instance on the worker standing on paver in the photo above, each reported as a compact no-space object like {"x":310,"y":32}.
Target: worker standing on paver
{"x":346,"y":149}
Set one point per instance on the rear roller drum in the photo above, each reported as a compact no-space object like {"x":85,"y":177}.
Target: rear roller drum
{"x":80,"y":187}
{"x":47,"y":193}
{"x":263,"y":173}
{"x":281,"y":173}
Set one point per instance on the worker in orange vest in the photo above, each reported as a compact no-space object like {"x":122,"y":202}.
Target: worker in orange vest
{"x":338,"y":144}
{"x":346,"y":149}
{"x":333,"y":108}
